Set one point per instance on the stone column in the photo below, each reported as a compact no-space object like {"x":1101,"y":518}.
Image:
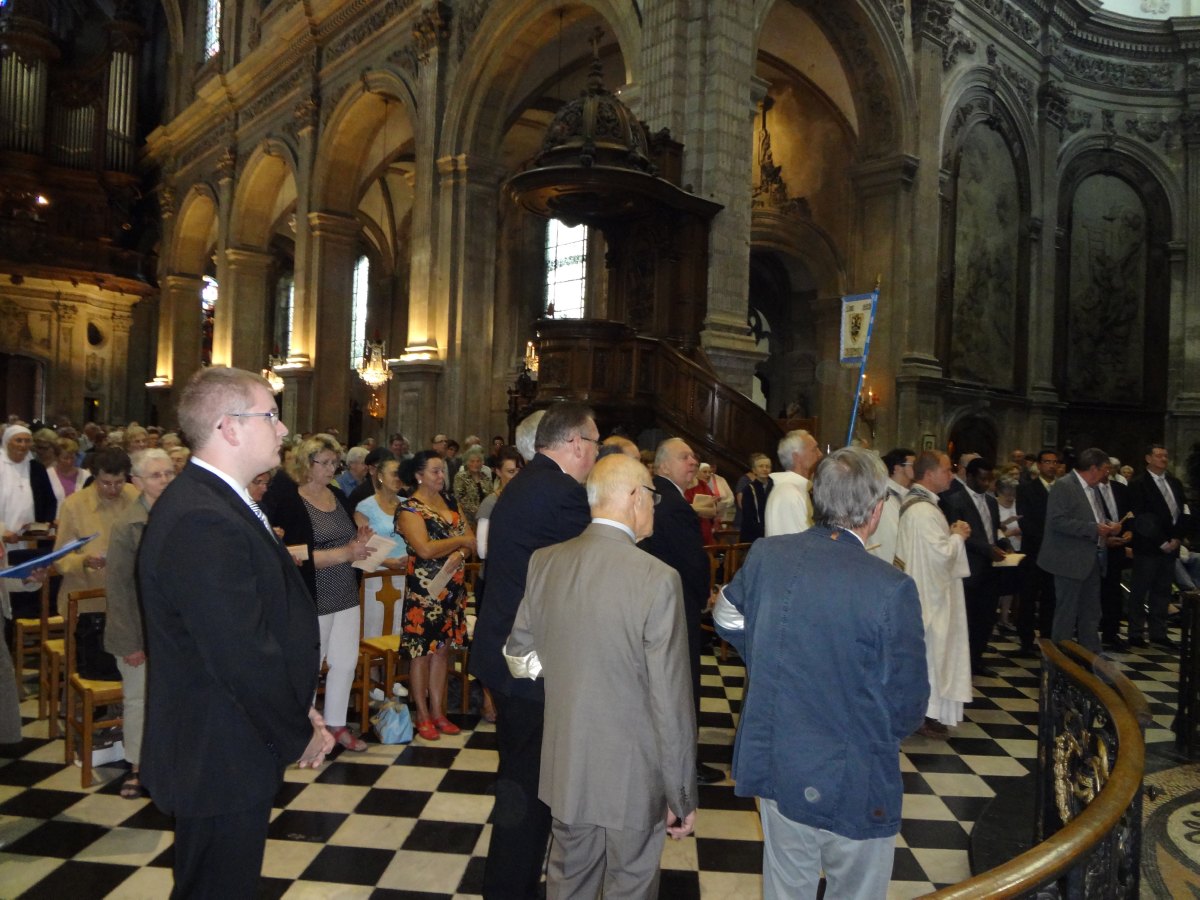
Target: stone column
{"x":240,"y":330}
{"x":118,"y":371}
{"x":180,"y":320}
{"x":1183,"y":383}
{"x":64,"y":388}
{"x":222,"y":351}
{"x":334,"y":249}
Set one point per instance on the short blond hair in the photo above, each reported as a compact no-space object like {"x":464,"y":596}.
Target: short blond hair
{"x":211,"y":393}
{"x":300,"y":465}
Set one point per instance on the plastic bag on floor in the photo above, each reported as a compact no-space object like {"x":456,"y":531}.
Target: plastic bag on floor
{"x":393,"y":724}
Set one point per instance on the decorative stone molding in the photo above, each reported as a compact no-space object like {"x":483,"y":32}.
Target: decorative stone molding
{"x":122,"y":323}
{"x":65,"y":312}
{"x":855,"y":43}
{"x":1004,"y":12}
{"x":407,"y":59}
{"x":1143,"y":76}
{"x":207,"y":142}
{"x":432,"y":29}
{"x":1020,"y":83}
{"x":1152,"y":130}
{"x":330,"y":98}
{"x":896,"y":12}
{"x":1189,"y":126}
{"x":958,"y":43}
{"x":227,"y":163}
{"x":1054,"y":104}
{"x":1193,"y":74}
{"x":352,"y":37}
{"x":271,"y":96}
{"x":166,"y":201}
{"x":1078,"y":119}
{"x":306,"y":113}
{"x":931,"y":19}
{"x":468,"y":20}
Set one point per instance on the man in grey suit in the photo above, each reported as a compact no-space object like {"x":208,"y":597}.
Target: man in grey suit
{"x":602,"y":623}
{"x":1074,"y":549}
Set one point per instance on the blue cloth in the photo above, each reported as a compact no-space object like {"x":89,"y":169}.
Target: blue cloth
{"x":382,"y":524}
{"x":835,"y":656}
{"x":347,"y":482}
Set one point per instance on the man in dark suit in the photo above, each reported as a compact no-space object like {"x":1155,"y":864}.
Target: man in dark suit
{"x":835,"y":643}
{"x":232,"y":643}
{"x":1037,"y":593}
{"x":677,"y":542}
{"x":612,"y":791}
{"x":958,"y":485}
{"x":545,"y":504}
{"x":1074,"y":549}
{"x":1159,"y":525}
{"x":976,"y":506}
{"x":1115,"y":498}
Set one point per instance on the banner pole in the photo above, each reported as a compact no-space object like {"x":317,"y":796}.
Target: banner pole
{"x":862,"y":368}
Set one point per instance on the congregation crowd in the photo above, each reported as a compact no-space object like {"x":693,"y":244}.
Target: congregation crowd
{"x":231,"y":555}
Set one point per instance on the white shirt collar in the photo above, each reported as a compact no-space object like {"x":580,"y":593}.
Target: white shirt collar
{"x":600,"y":520}
{"x":239,"y":489}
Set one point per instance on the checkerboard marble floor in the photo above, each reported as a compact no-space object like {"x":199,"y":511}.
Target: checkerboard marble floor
{"x":412,"y":821}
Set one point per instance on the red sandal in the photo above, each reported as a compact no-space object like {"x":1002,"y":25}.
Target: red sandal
{"x":347,"y":739}
{"x":428,"y":730}
{"x":445,"y":726}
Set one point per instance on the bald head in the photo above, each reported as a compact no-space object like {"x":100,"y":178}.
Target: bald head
{"x":619,"y":488}
{"x":676,"y":462}
{"x":614,"y":443}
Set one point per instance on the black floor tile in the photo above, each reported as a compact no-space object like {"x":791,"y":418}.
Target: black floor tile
{"x":39,"y":804}
{"x":927,"y":833}
{"x":272,"y":888}
{"x":463,"y":781}
{"x":975,"y":747}
{"x":149,"y":816}
{"x":355,"y":774}
{"x":676,"y":884}
{"x":428,"y":757}
{"x":906,"y":868}
{"x":23,"y":773}
{"x":714,"y":720}
{"x":472,"y":880}
{"x":715,"y":796}
{"x":967,"y":809}
{"x":78,"y":880}
{"x":348,"y":865}
{"x":482,"y":740}
{"x":23,"y":747}
{"x":443,"y":837}
{"x":1001,"y":730}
{"x":720,"y":855}
{"x":288,"y":791}
{"x":939,"y":762}
{"x":914,"y":783}
{"x":388,"y":894}
{"x":392,"y":802}
{"x":303,"y":825}
{"x":58,"y":839}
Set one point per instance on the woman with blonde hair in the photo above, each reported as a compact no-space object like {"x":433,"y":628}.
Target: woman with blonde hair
{"x":315,"y":515}
{"x":64,"y":474}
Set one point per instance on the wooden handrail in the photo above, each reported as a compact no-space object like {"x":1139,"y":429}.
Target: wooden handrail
{"x":1066,"y":848}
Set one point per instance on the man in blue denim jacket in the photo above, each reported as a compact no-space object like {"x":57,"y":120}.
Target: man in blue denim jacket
{"x":835,"y":656}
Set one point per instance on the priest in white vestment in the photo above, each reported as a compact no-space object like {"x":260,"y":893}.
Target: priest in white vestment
{"x":934,"y":555}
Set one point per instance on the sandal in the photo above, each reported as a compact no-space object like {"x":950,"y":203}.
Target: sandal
{"x":445,"y":726}
{"x":346,"y":738}
{"x":131,"y":787}
{"x":428,"y":730}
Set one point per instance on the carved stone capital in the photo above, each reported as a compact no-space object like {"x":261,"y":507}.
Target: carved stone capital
{"x":1054,"y":104}
{"x":166,"y":201}
{"x":306,"y":113}
{"x":431,"y":29}
{"x":931,"y":19}
{"x":227,"y":163}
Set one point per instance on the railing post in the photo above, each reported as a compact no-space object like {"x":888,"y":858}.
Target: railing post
{"x":1186,"y":725}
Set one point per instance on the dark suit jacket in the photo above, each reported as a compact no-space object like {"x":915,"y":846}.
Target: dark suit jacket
{"x":543,"y":505}
{"x":45,"y":504}
{"x":233,"y":651}
{"x":960,"y":505}
{"x":947,"y":496}
{"x":1032,"y":497}
{"x":677,"y":542}
{"x":1152,"y":526}
{"x":1116,"y":555}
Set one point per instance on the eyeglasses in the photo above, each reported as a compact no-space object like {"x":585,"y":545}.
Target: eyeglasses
{"x":655,"y":496}
{"x":583,"y":437}
{"x":323,"y":462}
{"x":272,"y":415}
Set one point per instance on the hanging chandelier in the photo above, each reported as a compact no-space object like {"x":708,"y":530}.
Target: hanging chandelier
{"x":374,"y":370}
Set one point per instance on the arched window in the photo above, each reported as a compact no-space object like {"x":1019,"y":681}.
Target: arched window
{"x":566,"y":270}
{"x":285,"y":313}
{"x":208,"y":312}
{"x":212,"y":28}
{"x":358,"y":311}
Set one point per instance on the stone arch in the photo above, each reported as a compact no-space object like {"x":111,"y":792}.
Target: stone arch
{"x":984,"y":280}
{"x":973,"y":428}
{"x":195,"y":232}
{"x":1113,"y":287}
{"x":348,"y":148}
{"x":871,"y":45}
{"x":268,"y":177}
{"x":485,"y":89}
{"x":1139,"y":155}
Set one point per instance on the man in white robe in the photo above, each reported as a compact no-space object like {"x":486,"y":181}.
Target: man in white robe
{"x":934,"y":554}
{"x":899,"y":465}
{"x":789,"y":504}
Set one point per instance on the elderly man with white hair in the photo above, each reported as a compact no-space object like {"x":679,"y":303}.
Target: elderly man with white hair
{"x":356,"y":470}
{"x":789,"y":503}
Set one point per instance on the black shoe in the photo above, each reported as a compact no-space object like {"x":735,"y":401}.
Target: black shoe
{"x":708,"y":775}
{"x":1166,"y":643}
{"x":1115,"y":643}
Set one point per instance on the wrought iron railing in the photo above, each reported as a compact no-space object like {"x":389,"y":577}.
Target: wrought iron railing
{"x":1187,"y":716}
{"x":1091,"y":755}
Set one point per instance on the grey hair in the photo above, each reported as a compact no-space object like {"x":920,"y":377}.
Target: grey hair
{"x":472,"y":452}
{"x":143,"y":457}
{"x":792,"y":442}
{"x":562,"y":421}
{"x":660,"y":455}
{"x":848,"y":485}
{"x":356,"y":454}
{"x":526,"y":432}
{"x":1092,"y":456}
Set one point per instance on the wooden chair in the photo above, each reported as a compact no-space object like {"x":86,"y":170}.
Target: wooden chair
{"x":30,"y":634}
{"x":723,"y":562}
{"x":50,"y":665}
{"x":382,"y":649}
{"x":87,"y":693}
{"x":460,"y":659}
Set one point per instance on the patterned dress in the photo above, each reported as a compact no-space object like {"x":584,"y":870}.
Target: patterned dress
{"x":337,"y":586}
{"x":430,"y":622}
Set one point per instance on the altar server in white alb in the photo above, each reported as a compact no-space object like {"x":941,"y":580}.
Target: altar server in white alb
{"x":934,"y":554}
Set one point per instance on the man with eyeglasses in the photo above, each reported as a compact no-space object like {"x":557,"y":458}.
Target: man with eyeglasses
{"x":544,"y":504}
{"x":677,"y":542}
{"x":232,"y":634}
{"x":899,"y":465}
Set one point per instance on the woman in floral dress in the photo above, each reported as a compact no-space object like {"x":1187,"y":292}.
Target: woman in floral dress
{"x":438,"y":541}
